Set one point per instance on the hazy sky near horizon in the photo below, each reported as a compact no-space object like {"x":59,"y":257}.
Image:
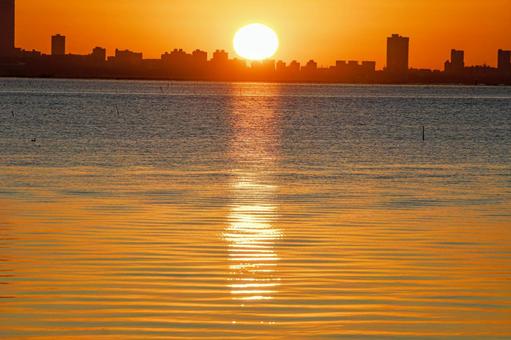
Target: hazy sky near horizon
{"x":325,"y":30}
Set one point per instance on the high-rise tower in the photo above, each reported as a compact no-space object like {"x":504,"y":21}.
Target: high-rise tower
{"x":457,"y":63}
{"x":58,"y":45}
{"x":7,"y":16}
{"x":397,"y":54}
{"x":504,"y":62}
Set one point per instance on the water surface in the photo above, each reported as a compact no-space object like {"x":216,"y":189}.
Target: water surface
{"x":182,"y":210}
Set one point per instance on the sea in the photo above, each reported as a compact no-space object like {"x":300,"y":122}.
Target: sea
{"x":187,"y":210}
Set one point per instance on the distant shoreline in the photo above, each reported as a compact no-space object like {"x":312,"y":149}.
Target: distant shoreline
{"x":163,"y":79}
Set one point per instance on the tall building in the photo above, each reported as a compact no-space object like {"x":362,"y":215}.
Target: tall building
{"x":220,"y":56}
{"x":457,"y":62}
{"x":311,"y":66}
{"x":58,"y":45}
{"x":398,"y":54}
{"x":294,"y":66}
{"x":504,"y":62}
{"x":200,"y":57}
{"x":458,"y":59}
{"x":98,"y":54}
{"x":7,"y":18}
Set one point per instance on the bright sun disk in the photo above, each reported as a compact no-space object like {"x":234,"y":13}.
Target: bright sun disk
{"x":256,"y":42}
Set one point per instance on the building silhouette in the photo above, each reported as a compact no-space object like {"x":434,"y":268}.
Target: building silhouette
{"x":7,"y":23}
{"x":504,"y":62}
{"x":182,"y":65}
{"x":398,"y":55}
{"x":200,"y":57}
{"x":98,"y":54}
{"x":280,"y":66}
{"x":177,"y":57}
{"x":294,"y":66}
{"x":311,"y":66}
{"x":457,"y":62}
{"x":352,"y":68}
{"x":126,"y":57}
{"x":58,"y":45}
{"x":368,"y":66}
{"x":220,"y":57}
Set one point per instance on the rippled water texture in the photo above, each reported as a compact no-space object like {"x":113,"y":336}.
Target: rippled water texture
{"x":144,"y":210}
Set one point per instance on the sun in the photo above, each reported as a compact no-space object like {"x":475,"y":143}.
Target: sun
{"x":256,"y":42}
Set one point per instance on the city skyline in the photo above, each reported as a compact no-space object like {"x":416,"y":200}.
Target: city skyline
{"x":180,"y":65}
{"x":342,"y":38}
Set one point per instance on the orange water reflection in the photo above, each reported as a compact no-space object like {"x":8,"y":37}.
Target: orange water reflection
{"x":251,"y":233}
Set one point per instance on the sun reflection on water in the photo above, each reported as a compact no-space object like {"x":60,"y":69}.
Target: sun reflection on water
{"x":251,"y":238}
{"x":251,"y":234}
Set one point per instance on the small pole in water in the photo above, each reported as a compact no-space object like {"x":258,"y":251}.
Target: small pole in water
{"x":12,"y":113}
{"x":423,"y":133}
{"x":117,"y":110}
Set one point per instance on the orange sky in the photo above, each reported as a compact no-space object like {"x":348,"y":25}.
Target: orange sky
{"x":325,"y":30}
